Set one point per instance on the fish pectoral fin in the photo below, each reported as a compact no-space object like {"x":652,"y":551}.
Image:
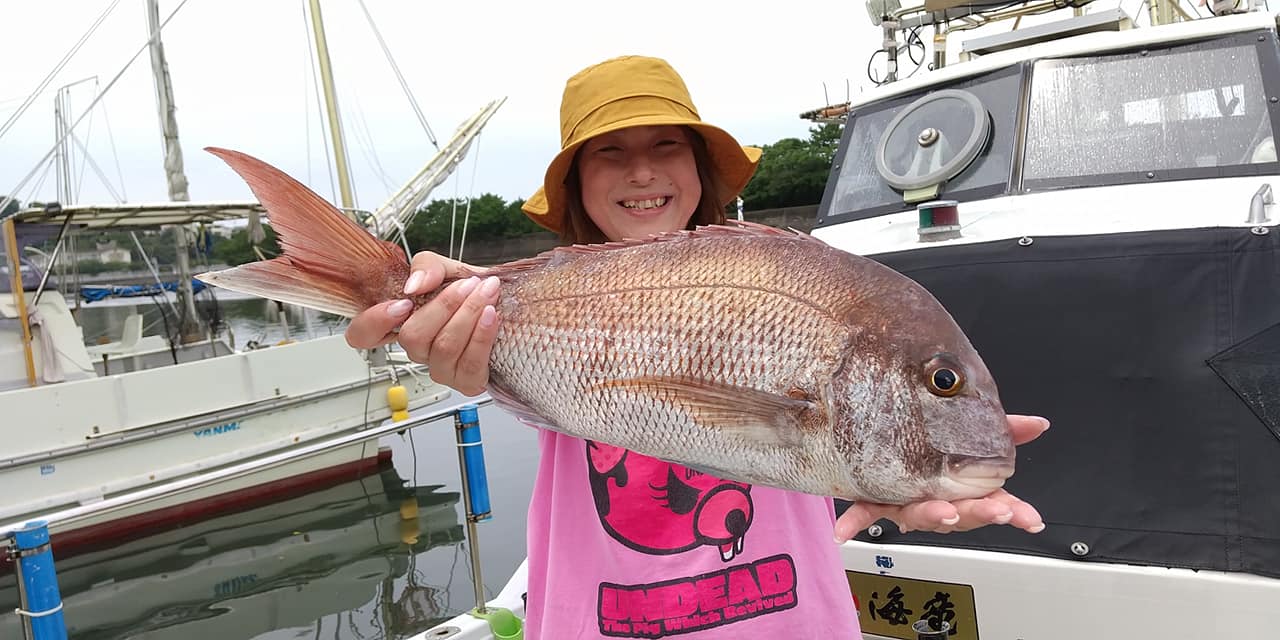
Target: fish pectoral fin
{"x":755,"y":415}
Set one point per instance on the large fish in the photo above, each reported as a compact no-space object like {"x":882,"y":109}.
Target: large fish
{"x":743,"y":351}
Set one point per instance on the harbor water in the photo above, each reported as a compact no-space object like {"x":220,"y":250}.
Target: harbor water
{"x":382,"y":555}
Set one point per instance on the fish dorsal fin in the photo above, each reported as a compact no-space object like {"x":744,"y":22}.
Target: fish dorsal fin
{"x":732,"y":228}
{"x":329,"y":261}
{"x":760,"y":417}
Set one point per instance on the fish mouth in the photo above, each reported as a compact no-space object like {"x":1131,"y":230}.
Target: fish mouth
{"x":979,"y":473}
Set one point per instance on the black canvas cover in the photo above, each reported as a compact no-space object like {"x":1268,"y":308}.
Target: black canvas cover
{"x":1157,"y":357}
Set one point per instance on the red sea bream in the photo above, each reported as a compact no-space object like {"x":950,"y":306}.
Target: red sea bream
{"x":743,"y":351}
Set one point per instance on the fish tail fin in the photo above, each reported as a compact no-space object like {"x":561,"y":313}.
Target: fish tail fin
{"x":329,"y":262}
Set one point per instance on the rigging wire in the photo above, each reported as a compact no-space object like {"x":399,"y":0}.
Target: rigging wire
{"x":114,"y":154}
{"x":315,"y":85}
{"x":466,"y":218}
{"x":84,"y":149}
{"x":453,"y":221}
{"x":306,"y":99}
{"x":31,"y":98}
{"x":403,"y":85}
{"x":98,"y":170}
{"x":369,"y":148}
{"x":22,"y":183}
{"x":40,"y":183}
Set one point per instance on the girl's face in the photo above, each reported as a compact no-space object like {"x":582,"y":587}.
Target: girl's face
{"x":639,"y":181}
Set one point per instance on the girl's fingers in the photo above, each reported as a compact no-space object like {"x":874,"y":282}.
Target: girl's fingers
{"x":420,"y":332}
{"x":375,"y":326}
{"x":472,"y":371}
{"x":454,"y":338}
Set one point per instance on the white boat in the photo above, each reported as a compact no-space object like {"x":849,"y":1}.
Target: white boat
{"x":77,"y":437}
{"x":83,"y":424}
{"x":1092,"y":201}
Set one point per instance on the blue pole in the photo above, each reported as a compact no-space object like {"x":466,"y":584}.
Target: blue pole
{"x":42,"y":602}
{"x":475,"y":487}
{"x":467,"y":421}
{"x":503,"y":624}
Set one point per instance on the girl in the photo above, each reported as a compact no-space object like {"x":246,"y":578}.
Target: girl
{"x":617,"y":542}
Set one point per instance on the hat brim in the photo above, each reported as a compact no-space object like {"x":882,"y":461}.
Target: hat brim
{"x":732,"y":165}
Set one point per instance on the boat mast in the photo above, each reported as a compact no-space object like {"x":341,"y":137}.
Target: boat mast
{"x":173,"y":169}
{"x":331,"y":103}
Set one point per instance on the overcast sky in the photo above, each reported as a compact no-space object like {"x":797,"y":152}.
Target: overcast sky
{"x":242,"y":79}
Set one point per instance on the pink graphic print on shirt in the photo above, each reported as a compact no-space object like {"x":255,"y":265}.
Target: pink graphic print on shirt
{"x":660,"y":508}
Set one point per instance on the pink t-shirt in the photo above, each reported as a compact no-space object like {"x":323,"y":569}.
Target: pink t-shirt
{"x":627,"y":546}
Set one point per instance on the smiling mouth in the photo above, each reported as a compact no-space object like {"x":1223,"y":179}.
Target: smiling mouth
{"x":645,"y":205}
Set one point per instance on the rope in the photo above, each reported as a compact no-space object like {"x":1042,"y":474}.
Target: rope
{"x":31,"y":614}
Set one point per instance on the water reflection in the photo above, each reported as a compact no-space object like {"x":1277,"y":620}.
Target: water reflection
{"x":357,"y":554}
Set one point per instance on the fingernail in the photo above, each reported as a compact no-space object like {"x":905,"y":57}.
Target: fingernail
{"x":399,"y":308}
{"x":1045,"y":424}
{"x":952,"y":520}
{"x":488,"y":317}
{"x":841,"y":535}
{"x":467,"y":285}
{"x":415,"y":281}
{"x":1037,"y":528}
{"x":490,"y":287}
{"x":1003,"y":518}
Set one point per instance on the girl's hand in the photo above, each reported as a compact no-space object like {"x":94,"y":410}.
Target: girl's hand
{"x":1000,"y":507}
{"x":452,"y":334}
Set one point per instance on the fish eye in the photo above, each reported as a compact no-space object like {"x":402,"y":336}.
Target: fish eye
{"x":942,"y":379}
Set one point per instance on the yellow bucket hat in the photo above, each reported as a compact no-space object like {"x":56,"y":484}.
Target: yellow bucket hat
{"x":626,"y":92}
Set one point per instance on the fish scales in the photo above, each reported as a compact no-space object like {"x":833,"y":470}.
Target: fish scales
{"x":732,"y":313}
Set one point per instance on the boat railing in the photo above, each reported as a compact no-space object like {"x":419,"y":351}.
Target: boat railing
{"x":70,"y":516}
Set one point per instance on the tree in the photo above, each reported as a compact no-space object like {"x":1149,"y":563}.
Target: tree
{"x":793,"y":172}
{"x":238,"y":250}
{"x":490,"y":218}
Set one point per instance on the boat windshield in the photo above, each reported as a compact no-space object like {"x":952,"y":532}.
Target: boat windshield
{"x":1176,"y":112}
{"x":1182,"y":112}
{"x":861,"y":189}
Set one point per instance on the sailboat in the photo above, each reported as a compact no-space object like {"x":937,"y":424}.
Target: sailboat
{"x":77,"y":436}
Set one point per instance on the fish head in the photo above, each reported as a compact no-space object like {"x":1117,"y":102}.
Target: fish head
{"x":922,"y":417}
{"x":963,"y":423}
